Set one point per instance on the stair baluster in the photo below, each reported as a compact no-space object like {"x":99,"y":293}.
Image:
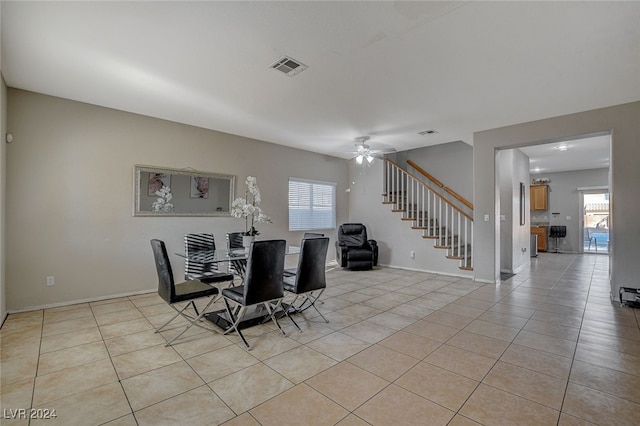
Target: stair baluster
{"x":430,"y":212}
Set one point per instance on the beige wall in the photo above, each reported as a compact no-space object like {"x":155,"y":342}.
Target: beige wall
{"x":623,"y":121}
{"x":396,"y":240}
{"x":70,"y":195}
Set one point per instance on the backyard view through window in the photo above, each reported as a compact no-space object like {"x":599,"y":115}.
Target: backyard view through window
{"x":596,"y":223}
{"x":312,"y":205}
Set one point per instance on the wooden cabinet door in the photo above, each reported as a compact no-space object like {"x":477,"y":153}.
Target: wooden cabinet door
{"x":541,"y":232}
{"x":542,"y":241}
{"x":538,"y":196}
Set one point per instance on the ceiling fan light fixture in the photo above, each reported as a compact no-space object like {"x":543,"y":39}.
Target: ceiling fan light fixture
{"x":370,"y":158}
{"x":359,"y":158}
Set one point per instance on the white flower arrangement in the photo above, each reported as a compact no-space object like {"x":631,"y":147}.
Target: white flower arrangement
{"x":248,"y":209}
{"x":163,"y":203}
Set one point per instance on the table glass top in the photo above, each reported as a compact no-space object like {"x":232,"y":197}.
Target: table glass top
{"x":224,"y":255}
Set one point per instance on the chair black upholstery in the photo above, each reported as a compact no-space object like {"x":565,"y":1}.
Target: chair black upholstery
{"x":173,"y":293}
{"x":205,"y":272}
{"x":310,"y":280}
{"x":234,"y":241}
{"x":353,"y":250}
{"x":308,"y":235}
{"x":305,"y":236}
{"x":262,"y":284}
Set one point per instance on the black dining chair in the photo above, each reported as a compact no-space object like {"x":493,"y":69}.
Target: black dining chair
{"x":206,"y":272}
{"x":310,"y":280}
{"x":234,"y":242}
{"x":174,"y":294}
{"x":262,"y":285}
{"x":307,"y":235}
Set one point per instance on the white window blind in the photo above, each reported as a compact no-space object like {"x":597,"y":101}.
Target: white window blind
{"x":312,"y":205}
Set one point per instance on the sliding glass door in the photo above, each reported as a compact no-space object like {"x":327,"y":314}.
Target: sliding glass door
{"x":595,"y":222}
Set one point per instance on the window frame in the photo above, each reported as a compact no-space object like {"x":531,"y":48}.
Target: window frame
{"x":310,"y":225}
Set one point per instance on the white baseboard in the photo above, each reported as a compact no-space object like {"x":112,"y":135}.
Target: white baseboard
{"x":486,"y":281}
{"x":426,"y":271}
{"x":76,"y":302}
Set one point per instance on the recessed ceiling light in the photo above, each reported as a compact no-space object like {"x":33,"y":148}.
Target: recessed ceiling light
{"x":562,"y":147}
{"x":427,"y":132}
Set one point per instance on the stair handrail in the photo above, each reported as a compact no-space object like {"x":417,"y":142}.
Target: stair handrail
{"x":435,"y":193}
{"x":440,"y":184}
{"x":434,"y":214}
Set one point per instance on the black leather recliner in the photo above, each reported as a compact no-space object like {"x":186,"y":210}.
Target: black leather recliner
{"x":353,"y":250}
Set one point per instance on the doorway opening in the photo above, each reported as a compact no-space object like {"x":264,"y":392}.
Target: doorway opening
{"x":595,"y":222}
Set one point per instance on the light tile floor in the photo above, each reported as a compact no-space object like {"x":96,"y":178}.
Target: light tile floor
{"x":544,"y":347}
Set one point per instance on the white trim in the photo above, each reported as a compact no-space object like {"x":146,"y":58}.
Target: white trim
{"x":77,"y":302}
{"x":426,"y":271}
{"x":523,"y":266}
{"x":486,"y":281}
{"x":594,"y":188}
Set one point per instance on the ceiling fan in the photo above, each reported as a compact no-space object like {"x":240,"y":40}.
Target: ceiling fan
{"x":364,"y":152}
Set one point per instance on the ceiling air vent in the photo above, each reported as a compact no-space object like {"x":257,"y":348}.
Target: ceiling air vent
{"x":289,"y":66}
{"x":427,"y":132}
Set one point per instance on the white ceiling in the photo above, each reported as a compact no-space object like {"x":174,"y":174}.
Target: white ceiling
{"x":582,"y":154}
{"x":384,"y":69}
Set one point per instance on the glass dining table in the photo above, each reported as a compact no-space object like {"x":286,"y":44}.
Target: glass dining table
{"x":237,"y":260}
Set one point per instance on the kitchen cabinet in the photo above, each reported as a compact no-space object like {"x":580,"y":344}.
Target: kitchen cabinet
{"x":539,"y":194}
{"x":541,"y":232}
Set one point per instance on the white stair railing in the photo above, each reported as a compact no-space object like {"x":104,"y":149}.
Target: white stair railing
{"x":437,"y":218}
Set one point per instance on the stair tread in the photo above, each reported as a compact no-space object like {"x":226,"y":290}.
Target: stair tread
{"x":426,"y":218}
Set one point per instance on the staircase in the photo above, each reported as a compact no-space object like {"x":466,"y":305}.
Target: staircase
{"x":437,"y":213}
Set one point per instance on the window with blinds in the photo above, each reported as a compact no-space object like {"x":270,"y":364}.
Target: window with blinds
{"x":312,"y":205}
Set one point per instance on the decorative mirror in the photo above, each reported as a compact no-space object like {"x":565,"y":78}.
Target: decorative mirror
{"x":161,"y":191}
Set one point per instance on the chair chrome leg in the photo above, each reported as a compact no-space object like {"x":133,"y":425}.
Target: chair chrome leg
{"x":311,"y":299}
{"x":172,"y":318}
{"x":236,"y":320}
{"x":272,"y":310}
{"x":319,"y":313}
{"x":195,"y":308}
{"x":286,"y":312}
{"x":192,"y":320}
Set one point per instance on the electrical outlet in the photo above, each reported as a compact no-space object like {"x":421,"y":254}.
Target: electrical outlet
{"x":50,"y":281}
